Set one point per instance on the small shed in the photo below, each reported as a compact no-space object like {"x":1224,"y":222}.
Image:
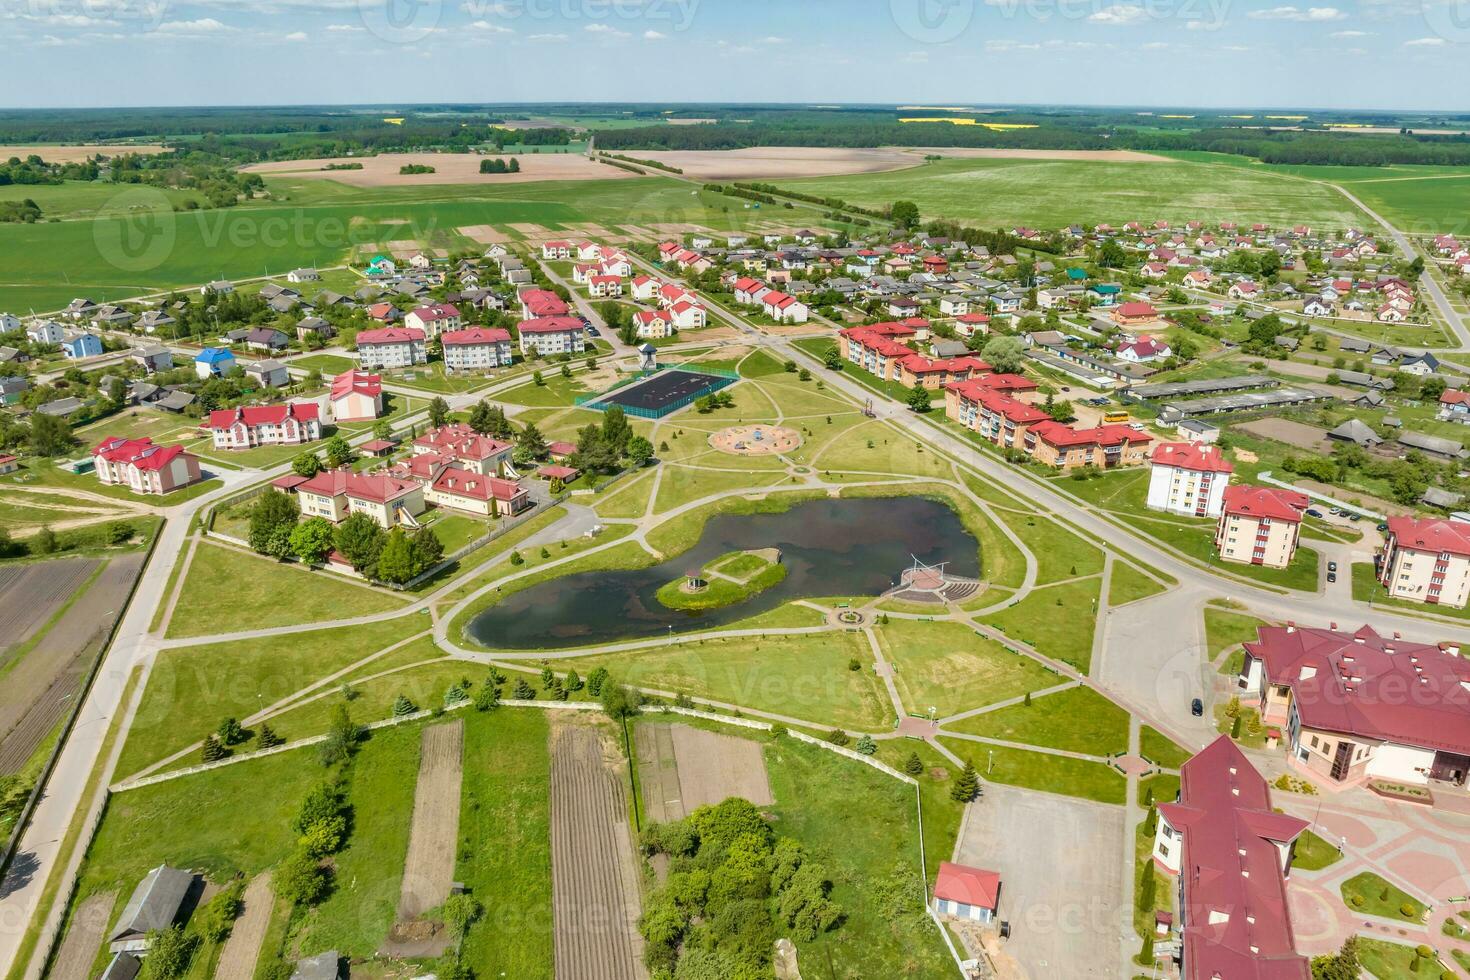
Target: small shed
{"x":322,"y":966}
{"x":154,"y":905}
{"x":966,"y":893}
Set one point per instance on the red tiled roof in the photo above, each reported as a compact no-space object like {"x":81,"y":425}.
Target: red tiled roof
{"x":444,"y":311}
{"x":459,"y":441}
{"x":971,"y":886}
{"x":376,"y":488}
{"x":550,"y":324}
{"x":390,"y":335}
{"x":1430,"y":534}
{"x":1246,"y":500}
{"x":464,"y":483}
{"x":1191,"y":456}
{"x":1007,"y":382}
{"x":289,"y":482}
{"x":543,"y":302}
{"x":475,"y":335}
{"x":560,"y":448}
{"x":1061,"y":435}
{"x":1136,"y":310}
{"x":1239,"y":924}
{"x":140,"y":453}
{"x":555,"y":472}
{"x":264,"y":414}
{"x":1370,"y":686}
{"x":1453,"y":397}
{"x":1014,"y":411}
{"x":358,"y":382}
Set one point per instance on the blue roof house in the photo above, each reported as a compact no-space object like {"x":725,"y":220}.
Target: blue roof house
{"x":213,"y":362}
{"x":82,"y":345}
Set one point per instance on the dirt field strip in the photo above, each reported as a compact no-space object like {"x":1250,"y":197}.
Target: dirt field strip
{"x":84,"y":937}
{"x":449,"y":168}
{"x":997,"y":153}
{"x":485,"y":234}
{"x":242,"y":949}
{"x":428,"y":867}
{"x":594,"y":878}
{"x":778,"y":162}
{"x":76,"y":152}
{"x":683,"y":768}
{"x":31,"y":594}
{"x":658,"y":773}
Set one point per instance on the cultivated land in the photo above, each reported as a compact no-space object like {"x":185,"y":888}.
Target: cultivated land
{"x":76,"y":152}
{"x":449,"y":168}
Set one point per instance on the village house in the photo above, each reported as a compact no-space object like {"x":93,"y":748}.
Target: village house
{"x":213,"y":362}
{"x":447,"y":482}
{"x":154,"y":906}
{"x":1231,"y":853}
{"x":287,"y":424}
{"x":1426,"y":560}
{"x":267,"y":373}
{"x":356,"y":396}
{"x":46,"y":332}
{"x":541,"y":303}
{"x":80,"y":346}
{"x":143,"y":467}
{"x":1135,"y":314}
{"x":783,"y":308}
{"x":153,"y":358}
{"x":965,"y":893}
{"x":1260,"y":525}
{"x":1188,"y":478}
{"x":653,"y":325}
{"x":434,"y":320}
{"x":551,"y":335}
{"x":336,"y":494}
{"x":391,"y":347}
{"x":1144,"y":350}
{"x":476,"y":349}
{"x":1360,"y":706}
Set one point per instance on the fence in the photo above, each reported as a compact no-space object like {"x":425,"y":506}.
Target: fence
{"x":720,"y":378}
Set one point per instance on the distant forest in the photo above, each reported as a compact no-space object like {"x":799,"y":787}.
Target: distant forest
{"x":234,"y":136}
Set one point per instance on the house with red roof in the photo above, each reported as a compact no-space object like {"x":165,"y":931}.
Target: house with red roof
{"x":356,"y":396}
{"x":391,"y":347}
{"x":434,"y":320}
{"x":748,"y":291}
{"x":476,"y":349}
{"x":1143,"y":350}
{"x":653,"y":324}
{"x":1188,"y":478}
{"x":551,"y":335}
{"x":1361,"y":706}
{"x":1135,"y":314}
{"x":556,"y":251}
{"x":873,"y":349}
{"x":142,"y":466}
{"x":1426,"y":560}
{"x":991,"y":414}
{"x":688,"y":314}
{"x":784,"y":309}
{"x":1260,"y":525}
{"x":541,"y":303}
{"x":463,"y":445}
{"x":249,"y":426}
{"x":448,"y":482}
{"x":935,"y":373}
{"x":1231,"y":853}
{"x":337,"y":494}
{"x":645,"y":288}
{"x":969,"y":323}
{"x":603,"y":286}
{"x":1454,"y":405}
{"x":962,"y":892}
{"x":1105,"y":446}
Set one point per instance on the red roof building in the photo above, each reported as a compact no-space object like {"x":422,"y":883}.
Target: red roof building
{"x":1426,"y":560}
{"x":464,"y":445}
{"x":541,"y":302}
{"x":966,"y":893}
{"x":993,"y":415}
{"x":476,"y":349}
{"x":1103,"y":446}
{"x":356,"y":396}
{"x":142,"y":466}
{"x":287,"y":424}
{"x":1134,"y":314}
{"x":1260,"y":525}
{"x":336,"y":494}
{"x":1232,"y":854}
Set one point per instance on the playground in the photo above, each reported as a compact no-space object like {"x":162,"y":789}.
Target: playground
{"x":756,"y":440}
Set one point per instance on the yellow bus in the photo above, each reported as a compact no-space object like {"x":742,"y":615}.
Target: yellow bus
{"x":1115,"y":418}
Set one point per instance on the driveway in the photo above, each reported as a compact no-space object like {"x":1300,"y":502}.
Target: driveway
{"x":1061,"y":872}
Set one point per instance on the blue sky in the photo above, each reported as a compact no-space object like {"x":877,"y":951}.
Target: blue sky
{"x":1363,"y":54}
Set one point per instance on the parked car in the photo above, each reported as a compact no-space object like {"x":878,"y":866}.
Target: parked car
{"x":1355,"y":518}
{"x":1332,"y":566}
{"x":1197,"y":707}
{"x":1314,"y":512}
{"x":1332,"y":576}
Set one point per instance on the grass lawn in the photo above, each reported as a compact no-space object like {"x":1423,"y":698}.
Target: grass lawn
{"x":1164,"y":786}
{"x":1060,"y":554}
{"x":683,"y":484}
{"x":759,"y":364}
{"x":862,"y":827}
{"x":1394,"y":961}
{"x":505,"y":842}
{"x":1058,"y":621}
{"x":1313,"y":853}
{"x":212,"y":600}
{"x":876,"y":447}
{"x":45,"y":473}
{"x":1366,"y":588}
{"x":942,"y":815}
{"x":1127,"y":584}
{"x":1371,"y":894}
{"x":328,"y":364}
{"x":1225,"y":629}
{"x":1164,"y":886}
{"x":192,"y":689}
{"x":628,"y":497}
{"x":804,"y":676}
{"x":1198,"y":542}
{"x":1160,"y":749}
{"x":372,"y":700}
{"x":951,"y":668}
{"x":556,"y":390}
{"x":1049,"y":773}
{"x":454,"y":531}
{"x":1077,"y":719}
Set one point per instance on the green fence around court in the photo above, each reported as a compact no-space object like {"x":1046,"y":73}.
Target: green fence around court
{"x":719,"y":378}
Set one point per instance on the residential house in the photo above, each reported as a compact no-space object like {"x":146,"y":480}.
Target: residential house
{"x":1357,"y":432}
{"x":213,"y":362}
{"x":449,"y":483}
{"x":991,"y":414}
{"x":1433,"y":445}
{"x":653,"y":324}
{"x":1135,"y":314}
{"x":303,"y":275}
{"x":688,"y":315}
{"x":356,"y":396}
{"x":11,"y":389}
{"x":552,"y":335}
{"x":153,"y":321}
{"x":46,"y":332}
{"x":336,"y":494}
{"x":434,"y":320}
{"x":80,"y":346}
{"x":286,"y":424}
{"x":267,"y":339}
{"x":1454,"y":405}
{"x":785,"y":309}
{"x":1419,"y":365}
{"x":539,"y":303}
{"x":153,"y":358}
{"x":1105,"y":446}
{"x":153,"y":907}
{"x":965,"y":893}
{"x":314,"y":325}
{"x":476,"y":349}
{"x":391,"y":347}
{"x":1426,"y":560}
{"x":268,"y":373}
{"x":458,"y":442}
{"x":143,"y":467}
{"x":1144,"y":350}
{"x":1188,"y":478}
{"x":1260,"y":525}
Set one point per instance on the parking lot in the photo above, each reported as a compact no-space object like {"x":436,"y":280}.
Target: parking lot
{"x":1061,"y":870}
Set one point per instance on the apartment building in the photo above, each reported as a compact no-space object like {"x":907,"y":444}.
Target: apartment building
{"x":1426,"y":560}
{"x":1260,"y":525}
{"x":1188,"y":479}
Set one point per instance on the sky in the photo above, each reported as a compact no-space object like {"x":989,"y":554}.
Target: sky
{"x":1384,"y":54}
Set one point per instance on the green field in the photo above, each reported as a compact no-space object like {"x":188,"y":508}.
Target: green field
{"x":1053,"y":194}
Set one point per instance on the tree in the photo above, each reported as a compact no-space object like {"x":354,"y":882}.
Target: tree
{"x":905,"y":214}
{"x":214,"y":919}
{"x":306,"y":464}
{"x":523,"y":691}
{"x":342,"y":735}
{"x":213,"y":751}
{"x":230,"y":732}
{"x":311,"y":540}
{"x":531,"y":441}
{"x":1005,"y":354}
{"x":832,"y":359}
{"x":487,"y":698}
{"x":360,"y":540}
{"x":271,"y":521}
{"x":299,"y":880}
{"x":438,"y":412}
{"x":967,"y":786}
{"x":267,"y":738}
{"x":1432,"y":388}
{"x":594,"y":454}
{"x":618,"y":701}
{"x":458,"y":912}
{"x":866,"y":745}
{"x":920,"y":399}
{"x":1263,"y":332}
{"x":50,"y":435}
{"x":395,"y":562}
{"x":913,"y":765}
{"x":403,"y":707}
{"x":169,"y":954}
{"x":338,"y":452}
{"x":382,"y":429}
{"x":43,"y":542}
{"x":615,"y":428}
{"x":537,"y":379}
{"x":1342,"y":965}
{"x":595,"y":680}
{"x":427,"y":549}
{"x":640,"y":451}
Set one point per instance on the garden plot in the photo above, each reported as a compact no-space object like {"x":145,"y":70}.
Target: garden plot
{"x":242,"y":948}
{"x":428,"y":867}
{"x":683,"y":768}
{"x":32,"y":594}
{"x":594,"y":879}
{"x":84,"y":937}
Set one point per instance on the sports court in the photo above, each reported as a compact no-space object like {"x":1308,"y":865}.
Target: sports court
{"x":661,"y":393}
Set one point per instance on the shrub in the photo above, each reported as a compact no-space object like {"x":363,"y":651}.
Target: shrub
{"x":838,"y":737}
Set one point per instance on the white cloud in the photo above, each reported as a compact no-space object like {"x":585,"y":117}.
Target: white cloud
{"x":1426,"y":42}
{"x":653,"y":36}
{"x":295,"y":36}
{"x":774,"y":39}
{"x":607,"y":30}
{"x":488,"y":28}
{"x":1001,"y":45}
{"x":914,"y":57}
{"x":1119,"y":14}
{"x":548,"y":37}
{"x":346,"y":29}
{"x":204,"y":25}
{"x":1156,"y":46}
{"x":1315,"y":15}
{"x":1351,"y":34}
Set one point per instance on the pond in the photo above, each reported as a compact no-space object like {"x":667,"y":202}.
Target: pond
{"x":830,"y":547}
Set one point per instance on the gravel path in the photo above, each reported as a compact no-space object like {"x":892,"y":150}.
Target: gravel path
{"x":242,"y":949}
